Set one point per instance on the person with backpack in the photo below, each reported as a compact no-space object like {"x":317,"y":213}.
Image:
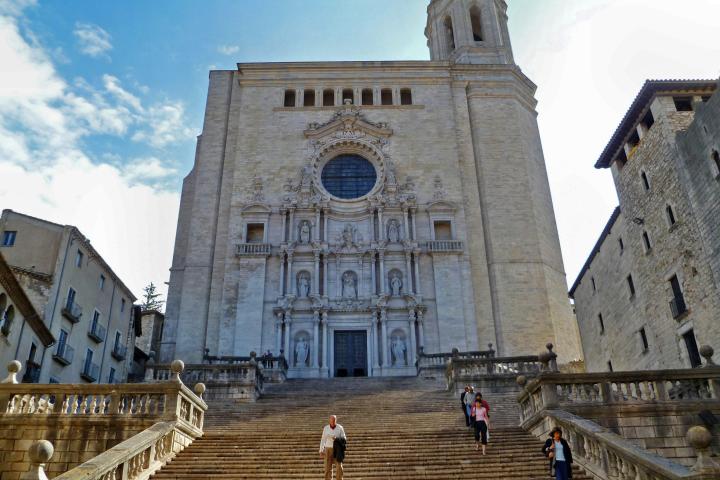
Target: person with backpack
{"x":332,"y":448}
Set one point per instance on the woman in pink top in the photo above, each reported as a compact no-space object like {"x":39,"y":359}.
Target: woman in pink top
{"x":482,"y":422}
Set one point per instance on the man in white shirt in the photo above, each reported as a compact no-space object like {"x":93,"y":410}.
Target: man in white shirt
{"x":329,"y":434}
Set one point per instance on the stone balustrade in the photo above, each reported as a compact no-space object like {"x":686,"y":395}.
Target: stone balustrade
{"x":253,"y":249}
{"x":240,"y":381}
{"x":429,"y":363}
{"x":606,"y":455}
{"x":148,"y":422}
{"x":569,"y":390}
{"x":443,"y":246}
{"x":496,"y":374}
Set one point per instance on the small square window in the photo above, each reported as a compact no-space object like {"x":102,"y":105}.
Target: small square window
{"x":9,"y":238}
{"x":255,"y":233}
{"x":79,"y":259}
{"x":443,"y":229}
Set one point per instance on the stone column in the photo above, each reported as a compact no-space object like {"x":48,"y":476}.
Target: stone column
{"x":383,"y":282}
{"x":372,"y":273}
{"x":405,"y":219}
{"x":338,"y":287}
{"x":278,"y":332}
{"x":414,"y":227}
{"x":290,"y":287}
{"x":316,"y":277}
{"x":325,"y":275}
{"x":326,"y":341}
{"x":325,"y":227}
{"x":409,"y":285}
{"x":421,"y":332}
{"x":292,"y":226}
{"x":381,"y":224}
{"x":383,"y":340}
{"x":288,"y":354}
{"x":411,"y":330}
{"x":282,"y":273}
{"x":361,"y":284}
{"x":316,"y":235}
{"x":417,"y":271}
{"x":316,"y":340}
{"x":374,"y":335}
{"x":283,"y":212}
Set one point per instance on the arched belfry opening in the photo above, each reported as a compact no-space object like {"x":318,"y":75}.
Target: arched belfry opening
{"x":449,"y":32}
{"x":476,"y":23}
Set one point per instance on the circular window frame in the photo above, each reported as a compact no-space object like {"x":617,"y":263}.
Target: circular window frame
{"x":349,"y":147}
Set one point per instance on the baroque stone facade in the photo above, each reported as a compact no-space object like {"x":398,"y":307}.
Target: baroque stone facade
{"x":348,"y":214}
{"x":664,"y":238}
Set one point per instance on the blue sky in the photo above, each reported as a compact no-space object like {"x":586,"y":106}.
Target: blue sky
{"x":100,"y":102}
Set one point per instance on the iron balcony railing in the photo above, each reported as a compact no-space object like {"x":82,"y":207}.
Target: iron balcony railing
{"x":119,"y":352}
{"x":97,"y":332}
{"x":64,"y":354}
{"x":72,"y":312}
{"x":678,"y":307}
{"x":90,"y":372}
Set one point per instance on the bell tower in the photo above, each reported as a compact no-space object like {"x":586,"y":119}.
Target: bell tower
{"x":468,"y":31}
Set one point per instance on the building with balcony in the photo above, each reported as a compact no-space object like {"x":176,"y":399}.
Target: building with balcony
{"x":23,"y":334}
{"x":648,"y":294}
{"x":78,"y":297}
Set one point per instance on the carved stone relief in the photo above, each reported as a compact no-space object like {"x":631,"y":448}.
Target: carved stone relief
{"x":398,"y":350}
{"x":349,"y":284}
{"x":303,"y":284}
{"x":395,"y":282}
{"x":393,"y":231}
{"x":304,"y":232}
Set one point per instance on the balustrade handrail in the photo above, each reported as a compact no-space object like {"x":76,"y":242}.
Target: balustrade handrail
{"x":610,"y":455}
{"x":137,"y":457}
{"x":515,"y":359}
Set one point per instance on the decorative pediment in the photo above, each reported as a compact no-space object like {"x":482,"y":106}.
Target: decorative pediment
{"x":256,"y":208}
{"x":347,"y":123}
{"x":442,"y":206}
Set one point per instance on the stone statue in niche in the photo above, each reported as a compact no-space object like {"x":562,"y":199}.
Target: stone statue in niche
{"x":395,"y":284}
{"x":393,"y":231}
{"x":349,"y":285}
{"x":347,"y":236}
{"x":303,"y":284}
{"x":302,"y":352}
{"x":397,"y":346}
{"x":304,"y":231}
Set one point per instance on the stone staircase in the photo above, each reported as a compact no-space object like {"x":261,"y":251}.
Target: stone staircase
{"x":402,"y":428}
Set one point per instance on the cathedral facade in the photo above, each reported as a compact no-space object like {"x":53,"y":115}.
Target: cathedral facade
{"x":353,"y":214}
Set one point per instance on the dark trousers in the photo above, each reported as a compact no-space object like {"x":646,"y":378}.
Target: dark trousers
{"x":481,"y":431}
{"x":562,"y":471}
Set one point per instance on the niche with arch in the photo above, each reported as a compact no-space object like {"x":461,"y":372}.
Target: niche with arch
{"x":349,"y":284}
{"x":303,"y":282}
{"x":301,"y":349}
{"x":395,"y":282}
{"x":398,"y":348}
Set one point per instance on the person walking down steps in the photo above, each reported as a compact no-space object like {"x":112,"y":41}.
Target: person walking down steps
{"x":332,"y":448}
{"x":558,"y":451}
{"x":464,"y":406}
{"x":469,"y":400}
{"x":480,"y":413}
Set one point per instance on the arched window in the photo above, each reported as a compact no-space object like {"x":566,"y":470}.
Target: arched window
{"x":289,"y":98}
{"x":476,"y":22}
{"x":7,"y":320}
{"x":347,"y":94}
{"x":309,"y":98}
{"x":405,"y":96}
{"x":386,"y":96}
{"x":328,"y":97}
{"x":367,"y":96}
{"x":449,"y":33}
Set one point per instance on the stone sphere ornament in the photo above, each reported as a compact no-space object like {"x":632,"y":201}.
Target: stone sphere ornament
{"x":41,"y":451}
{"x":14,"y":367}
{"x":707,"y":352}
{"x":199,"y":389}
{"x":699,"y":437}
{"x":521,"y":380}
{"x":177,"y":367}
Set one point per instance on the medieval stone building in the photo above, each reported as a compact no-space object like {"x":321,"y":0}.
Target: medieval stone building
{"x":648,"y":295}
{"x":349,"y":214}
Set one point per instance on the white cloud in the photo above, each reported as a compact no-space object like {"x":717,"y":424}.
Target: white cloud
{"x":92,"y":39}
{"x":228,"y":49}
{"x":165,"y":124}
{"x":47,"y":172}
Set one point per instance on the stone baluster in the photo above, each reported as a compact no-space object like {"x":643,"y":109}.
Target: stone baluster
{"x":326,"y":345}
{"x":707,"y":353}
{"x":278,"y":332}
{"x":316,"y":339}
{"x":411,"y":332}
{"x":288,"y":353}
{"x":13,"y":368}
{"x":40,"y":453}
{"x":150,"y":368}
{"x":553,"y":358}
{"x":384,"y":340}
